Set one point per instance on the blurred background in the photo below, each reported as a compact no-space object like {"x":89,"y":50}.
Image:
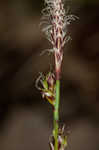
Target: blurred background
{"x":26,"y":118}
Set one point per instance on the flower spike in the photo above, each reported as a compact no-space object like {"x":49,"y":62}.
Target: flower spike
{"x":46,"y":84}
{"x":55,"y":19}
{"x":62,"y":140}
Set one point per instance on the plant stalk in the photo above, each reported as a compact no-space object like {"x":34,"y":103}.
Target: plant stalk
{"x":56,"y":114}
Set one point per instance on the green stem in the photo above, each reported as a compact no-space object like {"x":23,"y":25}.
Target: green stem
{"x":56,"y":114}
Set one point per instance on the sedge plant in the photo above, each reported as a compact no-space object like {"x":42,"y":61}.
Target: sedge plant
{"x":55,"y":20}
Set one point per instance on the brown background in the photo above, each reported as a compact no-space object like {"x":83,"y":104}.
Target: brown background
{"x":26,"y":119}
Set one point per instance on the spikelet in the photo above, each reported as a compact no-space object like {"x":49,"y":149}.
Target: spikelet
{"x":62,"y":140}
{"x":55,"y":21}
{"x":46,"y":85}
